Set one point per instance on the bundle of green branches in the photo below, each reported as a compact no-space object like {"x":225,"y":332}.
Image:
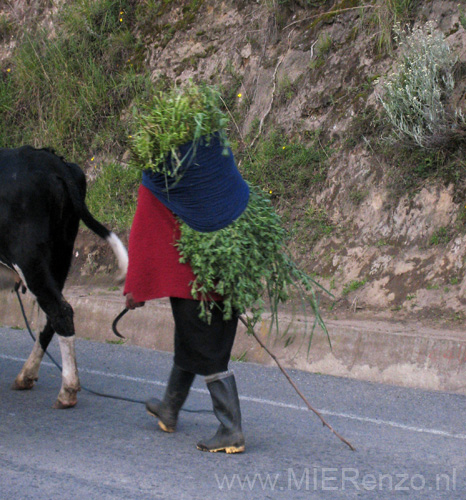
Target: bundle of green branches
{"x":246,"y":263}
{"x":176,"y":117}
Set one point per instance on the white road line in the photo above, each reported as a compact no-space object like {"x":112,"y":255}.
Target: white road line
{"x":268,"y":402}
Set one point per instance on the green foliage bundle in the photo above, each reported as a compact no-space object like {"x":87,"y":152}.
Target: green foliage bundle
{"x":417,"y":94}
{"x":175,"y":117}
{"x":246,"y":263}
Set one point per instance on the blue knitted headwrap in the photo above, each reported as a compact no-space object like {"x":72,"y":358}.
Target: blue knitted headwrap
{"x":210,"y":193}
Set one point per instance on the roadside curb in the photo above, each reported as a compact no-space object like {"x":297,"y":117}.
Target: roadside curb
{"x":403,"y":353}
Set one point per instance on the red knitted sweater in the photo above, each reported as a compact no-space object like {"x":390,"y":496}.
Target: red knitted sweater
{"x":154,"y":269}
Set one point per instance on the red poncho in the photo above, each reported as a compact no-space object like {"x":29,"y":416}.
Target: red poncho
{"x":154,"y":270}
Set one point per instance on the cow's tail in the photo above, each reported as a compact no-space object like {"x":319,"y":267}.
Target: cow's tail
{"x":75,"y":181}
{"x":111,"y":238}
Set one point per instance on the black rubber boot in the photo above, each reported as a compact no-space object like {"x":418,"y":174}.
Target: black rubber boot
{"x":229,"y":436}
{"x":167,"y":410}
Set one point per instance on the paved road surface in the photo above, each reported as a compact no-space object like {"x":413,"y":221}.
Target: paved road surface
{"x":410,"y":443}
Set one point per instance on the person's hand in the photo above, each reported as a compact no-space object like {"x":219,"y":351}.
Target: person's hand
{"x":130,"y":303}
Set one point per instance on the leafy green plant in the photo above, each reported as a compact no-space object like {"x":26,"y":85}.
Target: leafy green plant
{"x":323,"y":46}
{"x":246,"y":263}
{"x":314,"y":224}
{"x":176,"y":117}
{"x":441,"y":236}
{"x":354,"y":285}
{"x":282,"y":165}
{"x":388,"y":13}
{"x":416,"y":95}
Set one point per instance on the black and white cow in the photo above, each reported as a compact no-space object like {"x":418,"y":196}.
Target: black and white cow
{"x":41,"y":203}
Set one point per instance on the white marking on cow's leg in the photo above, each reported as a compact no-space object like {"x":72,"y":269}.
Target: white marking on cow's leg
{"x":70,"y":379}
{"x":30,"y":371}
{"x":121,"y":254}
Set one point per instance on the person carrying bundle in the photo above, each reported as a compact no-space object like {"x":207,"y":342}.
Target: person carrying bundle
{"x":211,"y":242}
{"x":208,"y":194}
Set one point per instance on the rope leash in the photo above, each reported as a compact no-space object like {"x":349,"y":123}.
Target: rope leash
{"x":84,"y":388}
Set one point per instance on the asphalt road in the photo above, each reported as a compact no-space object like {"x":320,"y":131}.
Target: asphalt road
{"x":409,"y":443}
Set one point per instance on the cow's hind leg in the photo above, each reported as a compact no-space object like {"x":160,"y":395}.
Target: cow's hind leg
{"x":30,"y":371}
{"x":67,"y":396}
{"x":60,"y":316}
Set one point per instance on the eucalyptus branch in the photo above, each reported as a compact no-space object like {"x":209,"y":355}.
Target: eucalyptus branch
{"x":295,"y":387}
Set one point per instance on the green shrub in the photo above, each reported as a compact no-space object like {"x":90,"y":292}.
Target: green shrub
{"x":388,"y":13}
{"x":282,"y":165}
{"x":67,"y":91}
{"x":417,"y":94}
{"x":441,"y":236}
{"x":313,"y":225}
{"x":352,"y":286}
{"x":112,"y":196}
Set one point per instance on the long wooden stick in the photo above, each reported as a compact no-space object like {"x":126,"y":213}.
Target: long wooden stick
{"x":295,"y":387}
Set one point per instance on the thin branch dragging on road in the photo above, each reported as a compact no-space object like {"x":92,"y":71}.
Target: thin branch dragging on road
{"x":295,"y":387}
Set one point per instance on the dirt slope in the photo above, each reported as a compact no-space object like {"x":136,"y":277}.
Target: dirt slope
{"x":298,"y":70}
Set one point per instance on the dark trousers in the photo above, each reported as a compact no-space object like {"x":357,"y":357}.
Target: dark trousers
{"x":200,"y":347}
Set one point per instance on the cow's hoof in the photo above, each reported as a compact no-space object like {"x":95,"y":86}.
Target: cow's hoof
{"x":60,"y":405}
{"x":23,"y":384}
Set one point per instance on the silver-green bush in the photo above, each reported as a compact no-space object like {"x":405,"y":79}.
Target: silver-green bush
{"x":417,"y":96}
